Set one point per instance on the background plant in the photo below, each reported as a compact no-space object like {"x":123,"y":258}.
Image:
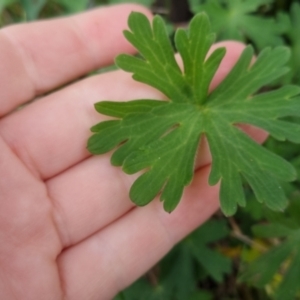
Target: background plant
{"x":222,"y":259}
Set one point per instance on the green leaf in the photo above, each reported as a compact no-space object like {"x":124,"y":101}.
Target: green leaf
{"x":290,"y":285}
{"x":261,"y":272}
{"x":271,"y":230}
{"x":5,"y":3}
{"x":239,"y":20}
{"x":33,"y":8}
{"x":284,"y":258}
{"x":293,"y":23}
{"x":216,"y":264}
{"x":162,"y":137}
{"x":74,"y":6}
{"x":209,"y":232}
{"x":179,"y":261}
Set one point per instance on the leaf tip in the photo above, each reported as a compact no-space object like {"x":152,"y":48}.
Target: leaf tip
{"x":229,"y":211}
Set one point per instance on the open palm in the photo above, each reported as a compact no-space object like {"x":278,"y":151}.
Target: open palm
{"x":67,"y":227}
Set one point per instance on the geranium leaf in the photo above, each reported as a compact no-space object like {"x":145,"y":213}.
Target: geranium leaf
{"x":162,"y":137}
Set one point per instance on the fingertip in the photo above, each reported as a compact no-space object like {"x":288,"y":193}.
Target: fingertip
{"x":103,"y":31}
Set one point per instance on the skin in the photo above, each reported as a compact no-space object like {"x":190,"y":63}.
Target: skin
{"x":67,"y":227}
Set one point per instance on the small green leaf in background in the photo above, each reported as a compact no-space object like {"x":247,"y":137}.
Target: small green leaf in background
{"x":293,"y":35}
{"x":5,"y":3}
{"x":236,"y":19}
{"x":283,"y":259}
{"x":271,"y":230}
{"x":215,"y":264}
{"x":32,"y":8}
{"x":278,"y":269}
{"x":73,"y":6}
{"x":163,"y":136}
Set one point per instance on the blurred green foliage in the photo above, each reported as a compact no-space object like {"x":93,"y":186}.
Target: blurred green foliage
{"x":12,"y":11}
{"x":256,"y":254}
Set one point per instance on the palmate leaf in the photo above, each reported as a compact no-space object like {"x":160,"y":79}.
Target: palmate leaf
{"x":162,"y":137}
{"x":239,"y":20}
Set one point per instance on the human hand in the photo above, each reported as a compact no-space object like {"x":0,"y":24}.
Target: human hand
{"x":67,"y":227}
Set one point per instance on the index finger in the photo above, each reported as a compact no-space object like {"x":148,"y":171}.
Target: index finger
{"x":44,"y":55}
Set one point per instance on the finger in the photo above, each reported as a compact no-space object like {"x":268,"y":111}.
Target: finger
{"x":54,"y":130}
{"x":110,"y":260}
{"x":28,"y":237}
{"x":63,"y":49}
